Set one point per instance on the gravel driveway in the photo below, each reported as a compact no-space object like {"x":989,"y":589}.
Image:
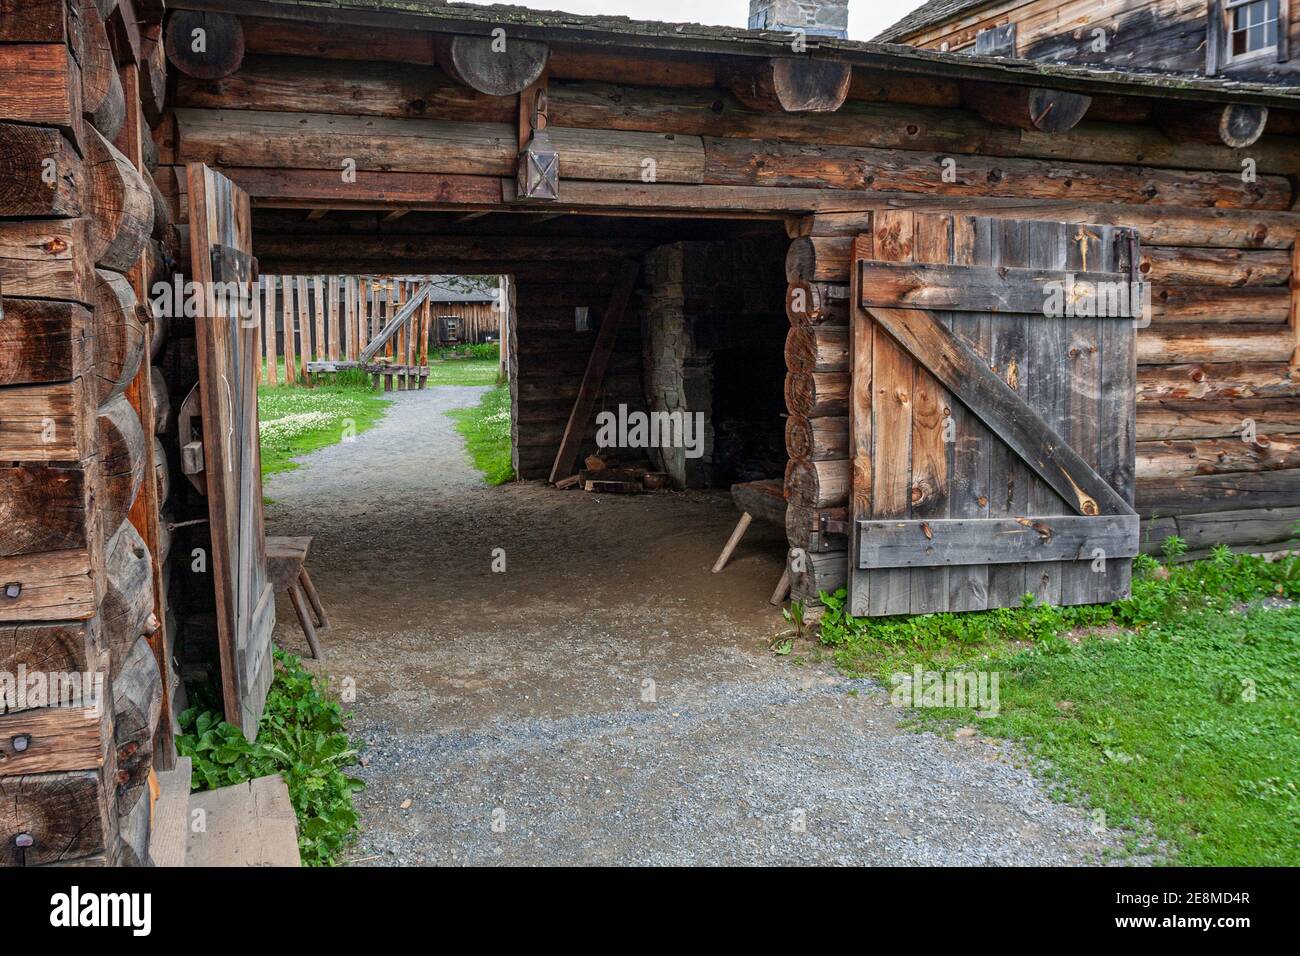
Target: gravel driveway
{"x":606,"y":699}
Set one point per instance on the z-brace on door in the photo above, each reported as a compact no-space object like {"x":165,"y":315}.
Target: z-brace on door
{"x":992,"y":420}
{"x":228,"y":353}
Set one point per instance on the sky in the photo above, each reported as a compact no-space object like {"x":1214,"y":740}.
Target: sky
{"x":866,"y":17}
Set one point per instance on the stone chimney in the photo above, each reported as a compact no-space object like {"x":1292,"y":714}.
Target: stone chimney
{"x":817,"y":17}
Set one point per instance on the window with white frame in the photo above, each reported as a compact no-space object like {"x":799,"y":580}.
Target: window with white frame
{"x":1252,"y":28}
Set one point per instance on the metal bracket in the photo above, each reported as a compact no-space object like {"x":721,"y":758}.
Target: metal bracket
{"x":828,"y":525}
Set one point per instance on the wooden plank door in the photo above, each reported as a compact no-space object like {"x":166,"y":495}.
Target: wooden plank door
{"x":992,"y":420}
{"x":221,"y":256}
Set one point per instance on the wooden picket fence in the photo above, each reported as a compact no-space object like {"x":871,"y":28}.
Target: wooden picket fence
{"x":333,"y":318}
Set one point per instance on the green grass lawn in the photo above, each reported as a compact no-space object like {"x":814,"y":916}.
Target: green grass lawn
{"x":486,"y":430}
{"x":1173,"y":712}
{"x":295,"y":421}
{"x":471,"y":371}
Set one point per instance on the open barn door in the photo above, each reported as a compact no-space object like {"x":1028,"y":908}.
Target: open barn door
{"x":992,"y":413}
{"x":228,"y":353}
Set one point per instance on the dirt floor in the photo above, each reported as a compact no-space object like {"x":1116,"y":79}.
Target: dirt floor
{"x":607,"y":699}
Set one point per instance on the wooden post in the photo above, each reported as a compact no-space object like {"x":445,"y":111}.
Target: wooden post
{"x":290,"y":352}
{"x":350,"y":318}
{"x":304,"y":326}
{"x":318,"y":349}
{"x":332,"y":309}
{"x":579,"y":418}
{"x":269,"y":316}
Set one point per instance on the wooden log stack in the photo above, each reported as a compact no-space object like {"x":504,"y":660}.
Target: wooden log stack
{"x":79,"y":509}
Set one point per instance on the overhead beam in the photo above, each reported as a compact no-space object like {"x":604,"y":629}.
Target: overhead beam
{"x":1236,"y":125}
{"x":499,"y":65}
{"x":204,"y":44}
{"x":1027,"y":107}
{"x":790,"y":84}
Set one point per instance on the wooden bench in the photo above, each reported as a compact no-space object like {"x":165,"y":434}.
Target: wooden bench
{"x":764,"y":500}
{"x":286,"y":565}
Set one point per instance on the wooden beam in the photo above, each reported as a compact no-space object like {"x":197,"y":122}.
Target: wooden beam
{"x":942,"y":542}
{"x":318,"y":214}
{"x":1236,"y":125}
{"x":1033,"y":109}
{"x":203,"y":44}
{"x":592,"y":378}
{"x":790,"y":84}
{"x":495,"y":65}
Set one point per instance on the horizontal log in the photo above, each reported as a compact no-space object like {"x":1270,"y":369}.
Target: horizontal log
{"x":1257,"y":527}
{"x":42,"y":21}
{"x":817,"y":439}
{"x":52,"y":586}
{"x":1178,"y":345}
{"x":44,"y":507}
{"x":789,"y":84}
{"x":128,"y":594}
{"x":294,"y":141}
{"x":303,"y":38}
{"x":817,"y":259}
{"x":1165,"y":226}
{"x":817,"y":484}
{"x":65,"y":647}
{"x":821,"y":348}
{"x":47,"y":422}
{"x":103,"y":98}
{"x":817,"y":394}
{"x":63,"y":817}
{"x":41,"y":84}
{"x":203,"y":43}
{"x":1235,"y":125}
{"x":576,"y":251}
{"x":119,"y":335}
{"x":1218,"y":380}
{"x":1212,"y":456}
{"x":55,"y":738}
{"x":1225,"y":267}
{"x":764,"y":162}
{"x":40,"y":173}
{"x":1217,"y":419}
{"x":301,"y":85}
{"x":47,"y":259}
{"x":137,"y":703}
{"x":1211,"y":305}
{"x":122,"y":458}
{"x":43,"y":342}
{"x":812,"y":574}
{"x":803,"y":529}
{"x":1033,"y":109}
{"x":120,"y":205}
{"x":1202,"y":493}
{"x":814,"y":303}
{"x":483,"y":64}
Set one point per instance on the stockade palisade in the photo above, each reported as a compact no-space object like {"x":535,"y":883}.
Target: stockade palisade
{"x":920,"y":200}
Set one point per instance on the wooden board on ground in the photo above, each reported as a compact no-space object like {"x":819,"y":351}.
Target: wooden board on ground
{"x":248,"y":824}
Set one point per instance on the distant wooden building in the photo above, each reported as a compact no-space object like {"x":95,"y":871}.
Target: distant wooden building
{"x":1241,"y":39}
{"x":980,"y":316}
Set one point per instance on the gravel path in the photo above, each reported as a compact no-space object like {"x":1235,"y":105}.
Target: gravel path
{"x":606,"y":699}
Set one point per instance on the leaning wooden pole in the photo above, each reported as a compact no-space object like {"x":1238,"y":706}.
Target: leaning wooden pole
{"x":594,"y":375}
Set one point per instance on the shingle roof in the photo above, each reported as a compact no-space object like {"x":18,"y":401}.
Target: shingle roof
{"x":934,"y":11}
{"x":612,"y":32}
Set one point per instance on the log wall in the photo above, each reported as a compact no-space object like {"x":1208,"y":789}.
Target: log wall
{"x":80,"y":488}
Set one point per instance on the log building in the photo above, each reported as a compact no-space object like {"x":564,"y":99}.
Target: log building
{"x":836,"y":251}
{"x":1235,"y":39}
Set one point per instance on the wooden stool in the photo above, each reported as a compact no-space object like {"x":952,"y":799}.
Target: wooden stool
{"x":286,"y":565}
